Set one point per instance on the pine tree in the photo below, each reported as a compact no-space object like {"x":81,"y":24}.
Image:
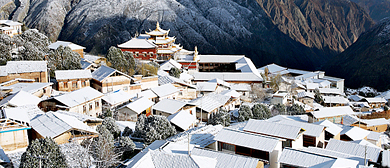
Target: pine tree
{"x":175,"y":72}
{"x":125,"y":146}
{"x":127,"y":131}
{"x":44,"y":152}
{"x":111,"y":126}
{"x":35,"y":45}
{"x":5,"y":49}
{"x":63,"y":58}
{"x":279,"y":109}
{"x":153,"y":128}
{"x":318,"y":97}
{"x":261,"y":112}
{"x":221,"y":117}
{"x":295,"y":109}
{"x":103,"y":149}
{"x":244,"y":113}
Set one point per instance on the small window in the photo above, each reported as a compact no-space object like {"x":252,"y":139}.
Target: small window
{"x":97,"y":103}
{"x":190,"y":111}
{"x":74,"y":85}
{"x":90,"y":106}
{"x":84,"y":108}
{"x":66,"y":85}
{"x":36,"y":79}
{"x":83,"y":84}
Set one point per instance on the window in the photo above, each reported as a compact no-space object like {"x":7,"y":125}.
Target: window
{"x":83,"y":83}
{"x":224,"y":146}
{"x":97,"y":104}
{"x":66,"y":85}
{"x":90,"y":106}
{"x":74,"y":85}
{"x":84,"y":108}
{"x":36,"y":79}
{"x":190,"y":111}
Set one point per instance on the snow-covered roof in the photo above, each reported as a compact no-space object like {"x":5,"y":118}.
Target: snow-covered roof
{"x":246,"y":139}
{"x":335,"y":99}
{"x":147,"y":93}
{"x":158,"y":31}
{"x":365,"y":142}
{"x":71,"y":45}
{"x":53,"y":124}
{"x":164,"y":90}
{"x":23,"y":113}
{"x":273,"y":68}
{"x":166,"y":66}
{"x":219,"y":58}
{"x":300,"y":158}
{"x":332,"y":79}
{"x":165,"y":79}
{"x":137,"y":43}
{"x":27,"y":87}
{"x":240,"y":87}
{"x":104,"y":71}
{"x":219,"y":82}
{"x":331,"y":153}
{"x":355,"y":97}
{"x":73,"y":74}
{"x":330,"y":91}
{"x":206,"y":86}
{"x":201,"y":136}
{"x":139,"y":105}
{"x":117,"y":97}
{"x":312,"y":86}
{"x":228,"y":76}
{"x":310,"y":129}
{"x":330,"y":127}
{"x":170,"y":106}
{"x":332,"y":111}
{"x":353,"y":149}
{"x":300,"y":118}
{"x":374,"y":122}
{"x":225,"y":160}
{"x":78,"y":97}
{"x":376,"y":100}
{"x":10,"y":23}
{"x":231,"y":93}
{"x":80,"y":117}
{"x":355,"y":133}
{"x":15,"y":67}
{"x":273,"y":129}
{"x":182,"y":119}
{"x":20,"y":98}
{"x":85,"y":64}
{"x":305,"y":94}
{"x":305,"y":76}
{"x":211,"y":101}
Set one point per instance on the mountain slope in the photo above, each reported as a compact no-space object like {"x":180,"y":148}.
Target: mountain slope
{"x":377,"y":9}
{"x":288,"y":33}
{"x":367,"y":61}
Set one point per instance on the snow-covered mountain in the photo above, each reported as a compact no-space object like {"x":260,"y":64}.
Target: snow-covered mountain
{"x":284,"y":32}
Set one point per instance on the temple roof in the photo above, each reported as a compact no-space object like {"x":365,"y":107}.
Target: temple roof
{"x":137,"y":43}
{"x":158,"y":31}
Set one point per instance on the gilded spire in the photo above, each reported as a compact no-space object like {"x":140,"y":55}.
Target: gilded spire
{"x":157,"y":26}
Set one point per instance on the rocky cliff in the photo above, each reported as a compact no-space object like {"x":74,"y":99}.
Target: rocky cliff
{"x":377,"y":9}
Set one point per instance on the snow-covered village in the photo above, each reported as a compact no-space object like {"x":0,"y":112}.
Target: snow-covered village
{"x":151,"y":103}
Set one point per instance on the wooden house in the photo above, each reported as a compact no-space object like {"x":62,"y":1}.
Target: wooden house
{"x":332,"y":131}
{"x":167,"y":91}
{"x":106,"y":79}
{"x":116,"y":99}
{"x":241,"y":143}
{"x":333,"y":114}
{"x":13,"y":135}
{"x":62,"y":128}
{"x":35,"y":70}
{"x":146,"y":82}
{"x":293,"y":135}
{"x":351,"y":133}
{"x":131,"y":111}
{"x":142,"y":49}
{"x":10,"y":27}
{"x":334,"y":101}
{"x":167,"y":107}
{"x":74,"y":47}
{"x":306,"y":98}
{"x":376,"y":102}
{"x":71,"y":80}
{"x":210,"y":104}
{"x":376,"y":125}
{"x":314,"y":135}
{"x":35,"y":88}
{"x":84,"y":101}
{"x":186,"y":91}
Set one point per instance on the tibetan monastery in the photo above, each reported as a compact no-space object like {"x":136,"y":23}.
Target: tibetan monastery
{"x":154,"y":45}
